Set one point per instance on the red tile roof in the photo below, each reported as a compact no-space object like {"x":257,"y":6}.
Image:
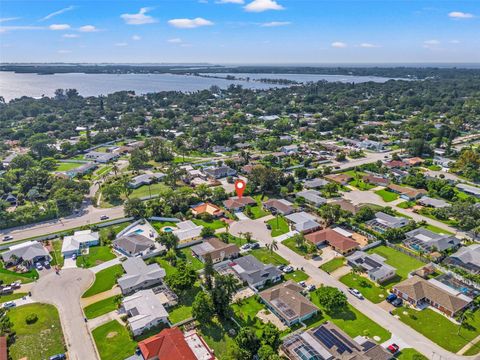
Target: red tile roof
{"x":168,"y":344}
{"x":333,"y":238}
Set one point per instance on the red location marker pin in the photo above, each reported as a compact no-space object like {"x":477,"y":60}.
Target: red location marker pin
{"x":239,"y":187}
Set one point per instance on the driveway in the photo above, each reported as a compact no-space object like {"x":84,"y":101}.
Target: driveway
{"x":105,"y":265}
{"x":64,"y":291}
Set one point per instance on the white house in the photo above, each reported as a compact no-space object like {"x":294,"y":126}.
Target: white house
{"x":78,"y":241}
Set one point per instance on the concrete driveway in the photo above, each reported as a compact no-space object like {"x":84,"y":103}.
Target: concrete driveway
{"x":64,"y":291}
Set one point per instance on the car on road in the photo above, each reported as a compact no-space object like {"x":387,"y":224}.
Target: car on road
{"x":9,"y":304}
{"x":39,"y":266}
{"x":58,"y":357}
{"x":288,"y":269}
{"x":397,"y":302}
{"x":302,"y":283}
{"x":355,"y":293}
{"x":254,"y":246}
{"x":393,"y":348}
{"x":269,"y":227}
{"x":104,"y":217}
{"x":7,"y":238}
{"x":391,"y":298}
{"x":311,"y":288}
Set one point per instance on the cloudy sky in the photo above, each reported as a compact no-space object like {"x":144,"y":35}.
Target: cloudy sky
{"x":240,"y":31}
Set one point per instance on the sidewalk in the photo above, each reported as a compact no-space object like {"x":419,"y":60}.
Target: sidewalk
{"x":105,"y":265}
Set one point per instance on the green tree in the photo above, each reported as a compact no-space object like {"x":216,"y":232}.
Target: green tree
{"x":332,"y":299}
{"x":168,"y":239}
{"x":202,"y":308}
{"x":135,"y":208}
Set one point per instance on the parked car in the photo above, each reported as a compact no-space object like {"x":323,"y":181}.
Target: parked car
{"x":311,"y":288}
{"x":245,"y":247}
{"x":39,"y":266}
{"x":7,"y":290}
{"x":46,"y":264}
{"x":74,"y":256}
{"x":393,"y":348}
{"x":254,"y":246}
{"x":16,"y":284}
{"x":7,"y":238}
{"x":9,"y":304}
{"x":302,"y":283}
{"x":397,"y":302}
{"x":281,"y":267}
{"x":355,"y":293}
{"x":269,"y":227}
{"x":104,"y":217}
{"x":58,"y":357}
{"x":288,"y":269}
{"x":391,"y":297}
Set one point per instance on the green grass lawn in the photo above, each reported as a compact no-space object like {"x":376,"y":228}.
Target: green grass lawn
{"x":159,"y":225}
{"x":406,"y":204}
{"x":361,"y":185}
{"x":409,"y":354}
{"x":400,"y":261}
{"x":113,"y":341}
{"x":216,"y":335}
{"x":104,"y":280}
{"x":352,"y":321}
{"x":474,"y":350}
{"x":66,"y":166}
{"x":101,"y":307}
{"x":386,"y":195}
{"x":439,"y":329}
{"x":10,"y":297}
{"x":292,"y":245}
{"x":8,"y":276}
{"x":367,"y":287}
{"x":183,"y":310}
{"x":435,"y":167}
{"x":186,"y":254}
{"x":279,"y":226}
{"x":144,"y":191}
{"x":245,"y":312}
{"x":268,"y":257}
{"x":297,"y":276}
{"x":214,"y":224}
{"x":257,"y":212}
{"x":96,"y":255}
{"x":333,"y":264}
{"x":39,"y":340}
{"x":437,"y":230}
{"x":56,"y":254}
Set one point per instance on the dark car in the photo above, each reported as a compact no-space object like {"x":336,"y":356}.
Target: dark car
{"x":58,"y":357}
{"x":397,"y":302}
{"x":255,"y":246}
{"x":391,"y":298}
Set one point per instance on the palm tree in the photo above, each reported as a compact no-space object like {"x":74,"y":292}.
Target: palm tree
{"x":115,"y":169}
{"x":299,"y":240}
{"x":230,"y":284}
{"x":248,"y":236}
{"x":273,"y":246}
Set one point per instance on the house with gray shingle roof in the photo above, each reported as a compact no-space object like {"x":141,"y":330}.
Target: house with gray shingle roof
{"x":139,"y":275}
{"x":254,"y":272}
{"x":28,"y":252}
{"x":467,"y":258}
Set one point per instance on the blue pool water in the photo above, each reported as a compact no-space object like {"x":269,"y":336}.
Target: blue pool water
{"x":138,"y":231}
{"x":167,"y":229}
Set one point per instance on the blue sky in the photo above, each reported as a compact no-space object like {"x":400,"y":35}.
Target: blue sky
{"x":240,"y":31}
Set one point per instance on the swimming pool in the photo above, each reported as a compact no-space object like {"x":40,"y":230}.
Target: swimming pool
{"x":138,"y":231}
{"x":167,"y":229}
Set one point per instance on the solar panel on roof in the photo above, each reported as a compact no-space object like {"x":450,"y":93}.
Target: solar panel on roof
{"x":329,"y":339}
{"x":372,"y":263}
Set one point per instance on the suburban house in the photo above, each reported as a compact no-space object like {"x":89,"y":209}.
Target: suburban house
{"x":469,"y":189}
{"x":9,"y":198}
{"x":139,"y":275}
{"x":289,"y":149}
{"x":238,"y":204}
{"x":395,"y":164}
{"x":187,"y":231}
{"x":375,"y":180}
{"x":467,"y":258}
{"x":338,"y":241}
{"x":372,"y":264}
{"x":426,"y":240}
{"x":171,"y":343}
{"x":255,"y":273}
{"x":288,"y":304}
{"x":216,"y":250}
{"x":134,"y":244}
{"x":81,"y":170}
{"x":346,"y":205}
{"x":279,"y":206}
{"x":219,"y":172}
{"x":414,"y":161}
{"x":383,"y":222}
{"x":314,"y":183}
{"x":406,"y":192}
{"x":79,"y":240}
{"x":303,"y":222}
{"x":342,"y":179}
{"x":420,"y":293}
{"x":145,"y":179}
{"x":26,"y":253}
{"x":101,"y":157}
{"x":431,"y":202}
{"x":207,"y":208}
{"x":312,"y":197}
{"x":144,"y":310}
{"x":329,"y":342}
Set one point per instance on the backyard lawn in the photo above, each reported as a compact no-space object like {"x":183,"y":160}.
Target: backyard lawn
{"x":56,"y":254}
{"x":8,"y":276}
{"x":279,"y":226}
{"x":361,"y":185}
{"x":439,"y":329}
{"x":214,"y":224}
{"x":186,"y":254}
{"x":101,"y":307}
{"x":368,"y":289}
{"x":217,"y":336}
{"x":352,"y":321}
{"x":333,"y":264}
{"x":145,"y":190}
{"x":39,"y":340}
{"x":409,"y":354}
{"x":386,"y":195}
{"x":267,"y":257}
{"x":96,"y":255}
{"x":183,"y":310}
{"x":292,"y":245}
{"x":245,"y":312}
{"x":66,"y":166}
{"x":104,"y":280}
{"x":113,"y":341}
{"x":10,"y":297}
{"x":400,"y":261}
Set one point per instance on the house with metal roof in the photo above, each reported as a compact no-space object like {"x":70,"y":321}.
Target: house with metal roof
{"x":469,"y":189}
{"x":139,"y":275}
{"x":432,"y":202}
{"x":303,"y":222}
{"x":187,"y":231}
{"x":27,"y":253}
{"x":314,"y":183}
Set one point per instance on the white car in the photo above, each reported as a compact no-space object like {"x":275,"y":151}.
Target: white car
{"x":39,"y":266}
{"x":74,"y":256}
{"x":9,"y":304}
{"x":288,"y":269}
{"x":7,"y":238}
{"x":355,"y":293}
{"x":245,"y":247}
{"x":311,"y":288}
{"x":302,"y":283}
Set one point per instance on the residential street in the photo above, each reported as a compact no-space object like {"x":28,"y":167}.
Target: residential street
{"x":64,"y":291}
{"x":376,"y":313}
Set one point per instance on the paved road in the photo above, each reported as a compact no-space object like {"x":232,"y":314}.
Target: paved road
{"x":373,"y":311}
{"x":64,"y":291}
{"x":90,"y":215}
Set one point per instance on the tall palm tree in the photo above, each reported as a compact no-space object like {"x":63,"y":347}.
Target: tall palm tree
{"x":273,"y":246}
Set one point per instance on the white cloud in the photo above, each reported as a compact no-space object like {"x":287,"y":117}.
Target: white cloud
{"x":70,"y":36}
{"x":368,"y":45}
{"x":275,"y":23}
{"x":121,"y":44}
{"x":140,"y":18}
{"x":59,"y":27}
{"x":460,"y":15}
{"x":64,"y":51}
{"x":59,"y":12}
{"x":136,"y":37}
{"x":431,"y":44}
{"x":87,"y":28}
{"x":2,"y":20}
{"x":263,"y":5}
{"x":338,"y":45}
{"x":175,"y":41}
{"x":189,"y":23}
{"x":230,"y":2}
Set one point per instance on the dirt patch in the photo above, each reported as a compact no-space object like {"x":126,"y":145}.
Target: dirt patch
{"x":112,"y":334}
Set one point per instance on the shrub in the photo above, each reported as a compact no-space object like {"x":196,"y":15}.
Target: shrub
{"x":31,"y":319}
